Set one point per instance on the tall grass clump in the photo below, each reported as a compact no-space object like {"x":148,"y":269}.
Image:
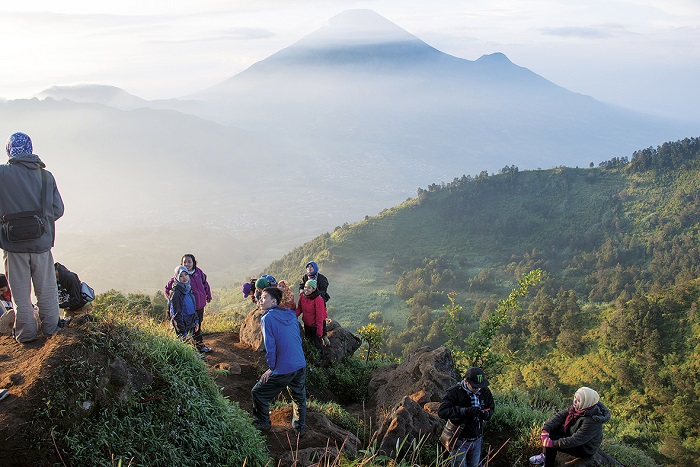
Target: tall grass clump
{"x":180,"y":418}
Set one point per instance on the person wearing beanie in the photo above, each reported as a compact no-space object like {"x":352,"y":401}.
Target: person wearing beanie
{"x":201,"y":291}
{"x":321,"y":281}
{"x":469,"y":405}
{"x":183,"y":312}
{"x":577,"y":431}
{"x":261,"y":284}
{"x":26,"y":187}
{"x":313,"y":313}
{"x":286,"y":362}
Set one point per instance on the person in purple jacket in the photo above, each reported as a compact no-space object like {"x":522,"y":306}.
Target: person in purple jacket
{"x":285,"y":359}
{"x":201,"y":291}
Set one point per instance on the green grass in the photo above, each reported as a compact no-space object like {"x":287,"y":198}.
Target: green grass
{"x":181,"y":418}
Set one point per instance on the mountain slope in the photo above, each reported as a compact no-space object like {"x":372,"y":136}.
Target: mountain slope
{"x":601,"y":232}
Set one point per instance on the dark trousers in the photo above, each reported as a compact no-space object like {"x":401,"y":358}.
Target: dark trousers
{"x":198,"y":335}
{"x":310,"y":334}
{"x":550,"y":454}
{"x":263,"y":393}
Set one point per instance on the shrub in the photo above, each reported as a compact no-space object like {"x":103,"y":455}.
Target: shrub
{"x":628,"y":456}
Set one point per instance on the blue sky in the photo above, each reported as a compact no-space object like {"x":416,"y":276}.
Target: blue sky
{"x":640,"y":54}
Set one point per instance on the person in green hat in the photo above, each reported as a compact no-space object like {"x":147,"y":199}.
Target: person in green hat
{"x":312,"y":309}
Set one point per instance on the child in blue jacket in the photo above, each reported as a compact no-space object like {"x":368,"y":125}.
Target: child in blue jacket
{"x":183,"y":313}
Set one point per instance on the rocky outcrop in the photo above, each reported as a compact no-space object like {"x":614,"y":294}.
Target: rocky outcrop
{"x":321,"y":444}
{"x":405,"y":426}
{"x":408,"y":393}
{"x":250,"y":332}
{"x":425,"y":377}
{"x":343,"y":342}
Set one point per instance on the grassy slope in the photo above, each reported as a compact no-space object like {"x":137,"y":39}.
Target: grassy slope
{"x":475,"y":225}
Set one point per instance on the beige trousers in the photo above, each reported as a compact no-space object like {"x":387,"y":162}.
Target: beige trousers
{"x":23,"y":270}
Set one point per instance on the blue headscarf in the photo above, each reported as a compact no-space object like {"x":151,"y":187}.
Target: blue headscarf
{"x":19,"y":143}
{"x":314,"y":266}
{"x":176,"y":275}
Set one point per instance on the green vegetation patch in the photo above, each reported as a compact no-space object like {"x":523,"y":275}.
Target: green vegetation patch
{"x":178,"y":417}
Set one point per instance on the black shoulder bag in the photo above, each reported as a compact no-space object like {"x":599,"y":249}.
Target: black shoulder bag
{"x":26,"y":225}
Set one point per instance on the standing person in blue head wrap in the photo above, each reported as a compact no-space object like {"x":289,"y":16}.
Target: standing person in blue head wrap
{"x":321,"y":281}
{"x":27,"y":188}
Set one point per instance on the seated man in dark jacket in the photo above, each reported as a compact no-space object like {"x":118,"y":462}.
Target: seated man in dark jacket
{"x":70,"y":294}
{"x":468,"y":404}
{"x":577,"y":431}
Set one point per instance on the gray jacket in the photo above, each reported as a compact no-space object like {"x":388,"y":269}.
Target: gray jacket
{"x":20,"y":190}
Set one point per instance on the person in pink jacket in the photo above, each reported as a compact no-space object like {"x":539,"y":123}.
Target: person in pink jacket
{"x":313,"y":313}
{"x":201,"y":291}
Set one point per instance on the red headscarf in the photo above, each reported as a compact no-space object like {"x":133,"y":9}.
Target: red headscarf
{"x":287,"y":296}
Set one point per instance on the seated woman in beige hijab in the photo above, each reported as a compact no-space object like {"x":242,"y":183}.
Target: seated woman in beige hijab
{"x":577,"y":431}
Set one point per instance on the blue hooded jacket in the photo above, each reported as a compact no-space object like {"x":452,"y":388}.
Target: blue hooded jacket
{"x":282,"y":336}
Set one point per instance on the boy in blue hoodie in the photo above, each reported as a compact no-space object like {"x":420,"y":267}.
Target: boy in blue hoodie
{"x":285,"y":358}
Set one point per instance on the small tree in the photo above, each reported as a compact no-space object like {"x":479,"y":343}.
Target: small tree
{"x":373,"y":335}
{"x":478,"y":350}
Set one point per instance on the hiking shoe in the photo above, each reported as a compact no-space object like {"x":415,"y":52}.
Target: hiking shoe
{"x":63,"y":322}
{"x":300,"y":433}
{"x":261,"y":427}
{"x":204,"y":349}
{"x":538,"y":459}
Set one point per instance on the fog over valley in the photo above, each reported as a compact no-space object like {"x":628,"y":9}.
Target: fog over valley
{"x":344,"y":123}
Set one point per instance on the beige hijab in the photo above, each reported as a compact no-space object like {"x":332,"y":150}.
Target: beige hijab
{"x":588,"y":397}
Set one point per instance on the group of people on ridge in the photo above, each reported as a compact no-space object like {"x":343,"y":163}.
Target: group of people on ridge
{"x":282,"y":339}
{"x":188,"y":292}
{"x":577,"y":431}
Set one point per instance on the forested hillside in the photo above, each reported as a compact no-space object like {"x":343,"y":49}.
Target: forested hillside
{"x":620,"y":246}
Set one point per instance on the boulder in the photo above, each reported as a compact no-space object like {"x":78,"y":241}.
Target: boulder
{"x":424,"y":376}
{"x":407,"y":425}
{"x":321,"y":444}
{"x":250,"y":332}
{"x":410,"y":393}
{"x":343,"y":342}
{"x":120,"y":382}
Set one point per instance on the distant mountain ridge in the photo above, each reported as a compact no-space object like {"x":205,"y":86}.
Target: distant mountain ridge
{"x":350,"y":119}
